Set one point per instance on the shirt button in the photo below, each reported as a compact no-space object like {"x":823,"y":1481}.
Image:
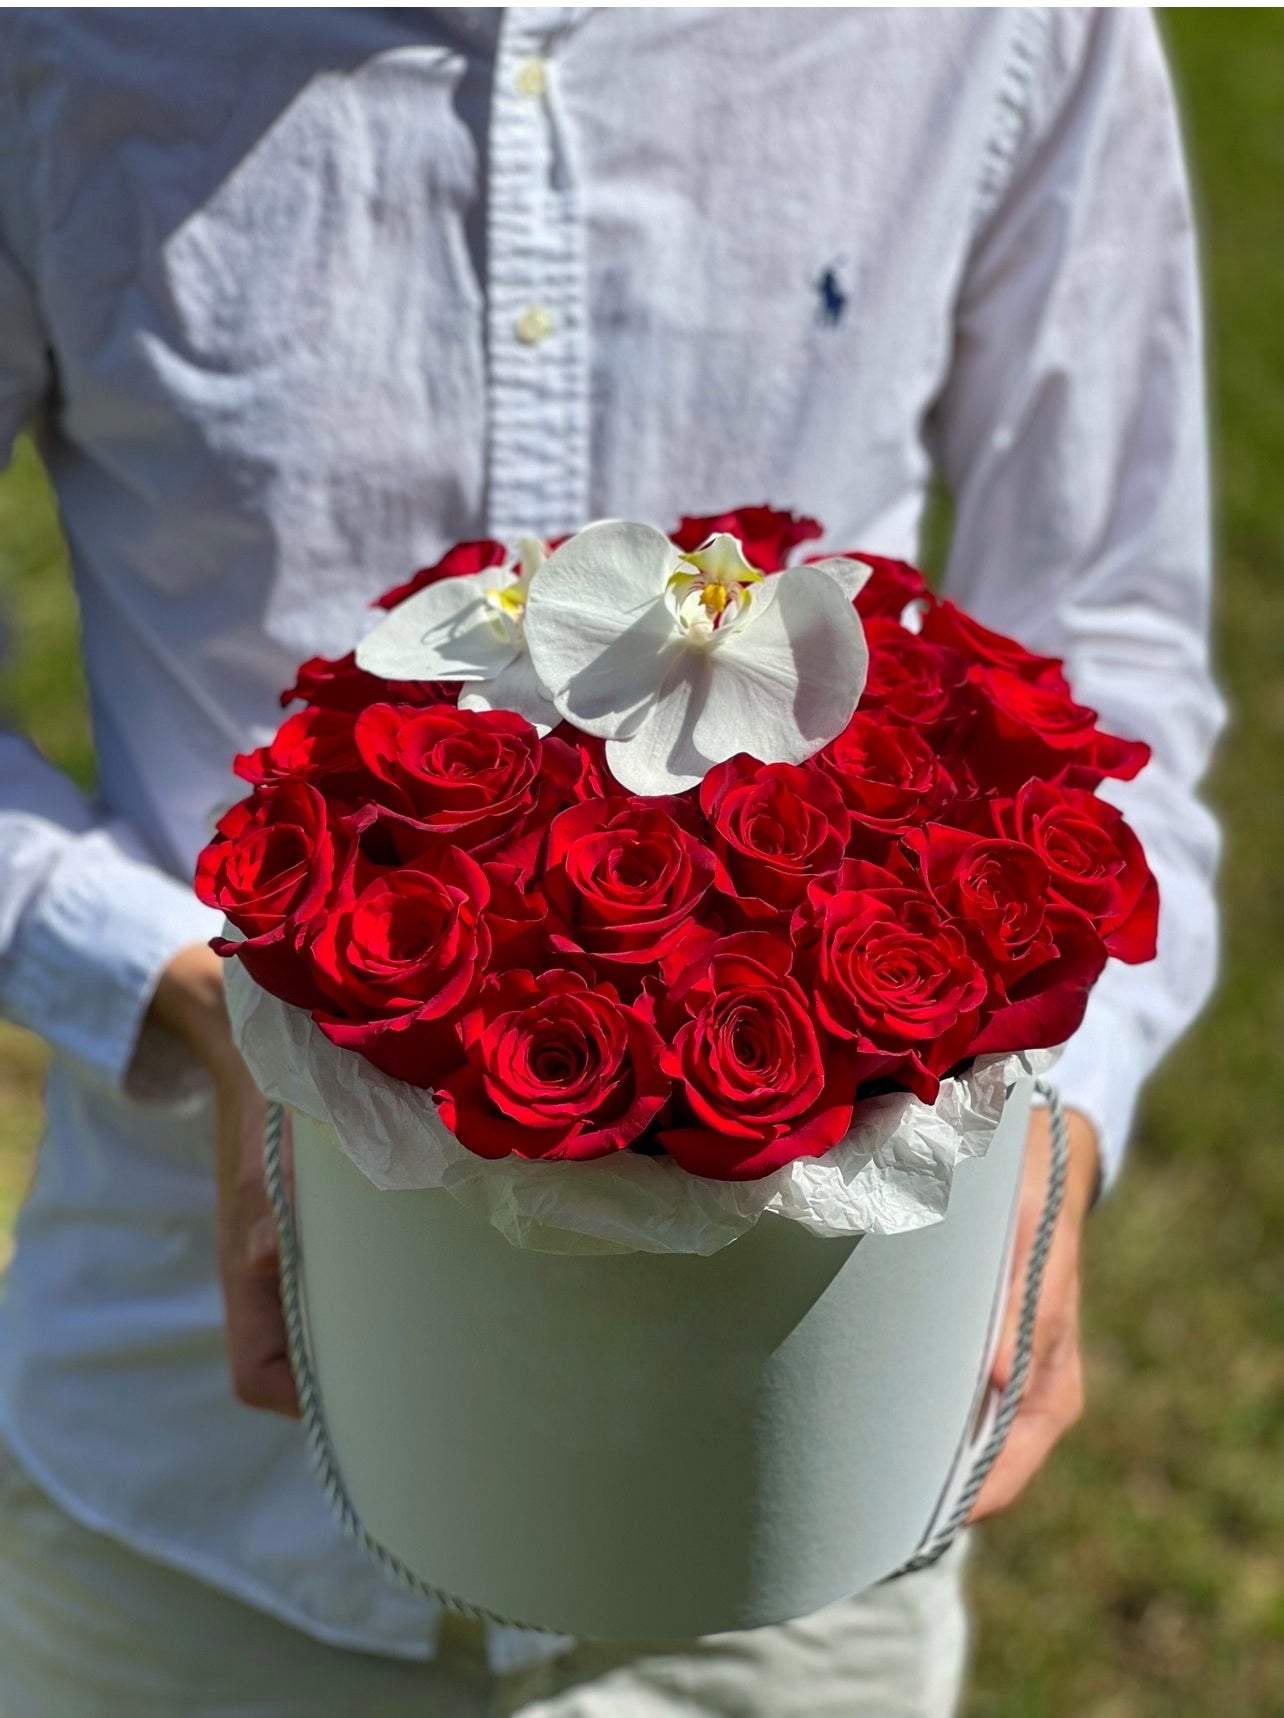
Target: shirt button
{"x":532,"y":78}
{"x":535,"y":324}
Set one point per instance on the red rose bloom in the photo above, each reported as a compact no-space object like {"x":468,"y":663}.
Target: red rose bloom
{"x":996,"y":890}
{"x":593,"y":778}
{"x":914,"y":681}
{"x":457,"y":563}
{"x":448,"y":775}
{"x":517,"y":916}
{"x":894,"y":976}
{"x":888,"y":775}
{"x":311,"y":744}
{"x":623,"y":878}
{"x":767,"y":535}
{"x":398,"y":960}
{"x":1046,"y":1004}
{"x":1042,"y":958}
{"x":270,"y":871}
{"x":1036,"y":729}
{"x":775,"y":827}
{"x":1095,"y":862}
{"x":891,"y":587}
{"x":338,"y":684}
{"x":945,"y":623}
{"x":756,"y":1088}
{"x":556,"y":1068}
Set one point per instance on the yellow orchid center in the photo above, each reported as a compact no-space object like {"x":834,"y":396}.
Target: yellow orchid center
{"x":508,"y":601}
{"x":709,"y":592}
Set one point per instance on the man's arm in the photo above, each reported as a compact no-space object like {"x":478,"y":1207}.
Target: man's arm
{"x":104,"y":955}
{"x":1071,"y":433}
{"x":189,"y":1004}
{"x":87,"y":922}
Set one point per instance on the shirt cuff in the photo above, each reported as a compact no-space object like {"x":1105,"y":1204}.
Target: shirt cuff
{"x":1100,"y":1075}
{"x":86,"y":958}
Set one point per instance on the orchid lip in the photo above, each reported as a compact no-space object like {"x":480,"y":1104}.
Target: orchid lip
{"x":714,"y":597}
{"x":506,"y":605}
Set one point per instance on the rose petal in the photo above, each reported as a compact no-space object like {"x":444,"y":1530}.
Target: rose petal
{"x":444,"y":632}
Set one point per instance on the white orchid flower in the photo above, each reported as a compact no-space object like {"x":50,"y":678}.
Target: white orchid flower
{"x":679,"y":661}
{"x":469,"y":628}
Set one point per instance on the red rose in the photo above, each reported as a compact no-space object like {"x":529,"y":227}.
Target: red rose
{"x":623,"y":879}
{"x":994,"y":888}
{"x":915,"y":681}
{"x":593,"y":778}
{"x":775,"y":827}
{"x":767,"y":535}
{"x":756,"y":1088}
{"x":312,"y":743}
{"x":398,"y":960}
{"x":457,"y":563}
{"x":945,"y":623}
{"x":1047,"y":1003}
{"x":338,"y":684}
{"x":890,"y":588}
{"x":893,"y":975}
{"x":1036,"y":729}
{"x":270,"y":871}
{"x":516,"y":917}
{"x":887,"y":773}
{"x":468,"y":777}
{"x":1095,"y":862}
{"x":555,"y":1068}
{"x":1042,"y":958}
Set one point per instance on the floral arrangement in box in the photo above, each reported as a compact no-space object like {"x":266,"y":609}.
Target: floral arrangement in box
{"x":682,"y":846}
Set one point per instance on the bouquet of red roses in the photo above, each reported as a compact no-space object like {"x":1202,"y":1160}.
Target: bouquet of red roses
{"x":680,"y":845}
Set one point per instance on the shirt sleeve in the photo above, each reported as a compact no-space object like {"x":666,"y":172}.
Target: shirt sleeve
{"x":1071,"y":433}
{"x":87,"y":922}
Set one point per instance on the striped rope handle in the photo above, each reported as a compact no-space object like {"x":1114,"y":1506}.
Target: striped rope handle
{"x":321,"y":1451}
{"x":938,"y":1543}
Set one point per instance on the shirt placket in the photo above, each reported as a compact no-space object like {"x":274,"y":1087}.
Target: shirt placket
{"x":536,"y":316}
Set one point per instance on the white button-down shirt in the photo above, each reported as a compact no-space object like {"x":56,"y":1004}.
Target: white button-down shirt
{"x":300,"y":298}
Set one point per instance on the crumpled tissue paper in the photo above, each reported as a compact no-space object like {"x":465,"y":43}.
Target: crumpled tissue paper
{"x":893,"y":1172}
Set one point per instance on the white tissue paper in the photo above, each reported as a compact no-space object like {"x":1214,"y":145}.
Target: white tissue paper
{"x":893,"y":1171}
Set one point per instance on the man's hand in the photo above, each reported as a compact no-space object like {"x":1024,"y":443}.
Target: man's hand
{"x":1053,"y":1396}
{"x":189,"y":1003}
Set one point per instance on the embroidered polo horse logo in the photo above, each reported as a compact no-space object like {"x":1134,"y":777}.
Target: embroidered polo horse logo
{"x":832,"y":293}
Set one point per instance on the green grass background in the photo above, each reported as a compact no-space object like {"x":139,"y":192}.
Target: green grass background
{"x":1143,"y":1576}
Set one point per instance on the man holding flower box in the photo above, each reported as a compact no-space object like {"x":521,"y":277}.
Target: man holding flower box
{"x":300,"y":306}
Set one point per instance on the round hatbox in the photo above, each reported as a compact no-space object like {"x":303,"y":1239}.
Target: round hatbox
{"x":649,"y":1445}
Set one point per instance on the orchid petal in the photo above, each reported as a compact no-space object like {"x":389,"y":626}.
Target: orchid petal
{"x":516,"y":687}
{"x":662,"y":757}
{"x":851,"y":576}
{"x":913,"y":613}
{"x":598,"y":629}
{"x":787,"y":683}
{"x":443,"y":632}
{"x":532,"y":552}
{"x":779,"y":688}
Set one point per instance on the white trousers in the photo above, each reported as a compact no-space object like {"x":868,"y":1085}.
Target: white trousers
{"x":89,"y":1629}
